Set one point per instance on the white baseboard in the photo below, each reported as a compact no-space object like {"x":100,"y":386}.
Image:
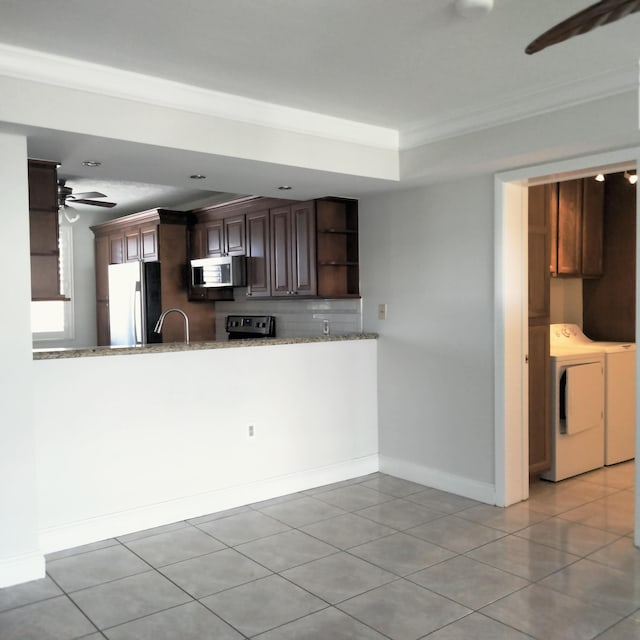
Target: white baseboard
{"x":21,"y":568}
{"x":459,"y":485}
{"x":74,"y":534}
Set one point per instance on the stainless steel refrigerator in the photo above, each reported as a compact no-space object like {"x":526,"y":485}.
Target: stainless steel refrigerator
{"x":134,"y":303}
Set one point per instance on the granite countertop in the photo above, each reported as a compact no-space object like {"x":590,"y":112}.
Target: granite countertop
{"x":55,"y":354}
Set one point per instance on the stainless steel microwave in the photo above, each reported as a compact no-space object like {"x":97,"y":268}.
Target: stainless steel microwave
{"x":227,"y":271}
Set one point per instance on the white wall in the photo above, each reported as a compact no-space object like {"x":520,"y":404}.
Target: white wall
{"x":428,"y":254}
{"x":127,"y":442}
{"x":20,"y":558}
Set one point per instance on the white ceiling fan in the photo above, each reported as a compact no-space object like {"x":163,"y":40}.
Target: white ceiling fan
{"x":66,"y":197}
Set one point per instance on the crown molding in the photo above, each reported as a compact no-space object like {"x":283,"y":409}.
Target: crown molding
{"x":525,"y":105}
{"x":30,"y":65}
{"x":70,"y":73}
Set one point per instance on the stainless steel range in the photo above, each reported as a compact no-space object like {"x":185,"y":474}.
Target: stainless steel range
{"x":248,"y":327}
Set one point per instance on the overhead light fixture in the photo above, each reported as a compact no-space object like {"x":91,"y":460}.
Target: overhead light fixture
{"x":91,"y":163}
{"x":473,"y":8}
{"x":285,"y":187}
{"x":631,"y":177}
{"x":65,"y":212}
{"x":197,"y":176}
{"x":600,"y":177}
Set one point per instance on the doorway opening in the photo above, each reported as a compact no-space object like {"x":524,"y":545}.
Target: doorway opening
{"x":511,"y":312}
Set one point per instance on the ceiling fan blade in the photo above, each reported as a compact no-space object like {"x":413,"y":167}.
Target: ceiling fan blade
{"x":95,"y":203}
{"x":88,"y":194}
{"x":596,"y":15}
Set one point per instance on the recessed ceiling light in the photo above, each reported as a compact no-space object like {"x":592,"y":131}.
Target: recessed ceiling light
{"x":285,"y":187}
{"x":197,"y":176}
{"x":91,"y":163}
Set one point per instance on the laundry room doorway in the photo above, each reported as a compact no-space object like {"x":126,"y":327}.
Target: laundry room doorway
{"x":512,"y":307}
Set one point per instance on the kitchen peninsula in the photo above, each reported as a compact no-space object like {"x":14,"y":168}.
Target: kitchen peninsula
{"x":49,"y":354}
{"x":172,"y":431}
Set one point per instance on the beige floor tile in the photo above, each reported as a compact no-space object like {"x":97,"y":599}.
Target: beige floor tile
{"x":565,"y":535}
{"x":523,"y":558}
{"x":549,"y":615}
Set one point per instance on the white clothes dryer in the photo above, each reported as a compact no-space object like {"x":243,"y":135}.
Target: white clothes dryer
{"x":577,"y":412}
{"x":619,"y":382}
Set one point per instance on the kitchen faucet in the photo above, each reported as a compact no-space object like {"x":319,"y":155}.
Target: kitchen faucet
{"x":164,"y":314}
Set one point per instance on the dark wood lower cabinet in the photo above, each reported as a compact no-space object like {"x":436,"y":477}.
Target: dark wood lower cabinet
{"x":539,"y":399}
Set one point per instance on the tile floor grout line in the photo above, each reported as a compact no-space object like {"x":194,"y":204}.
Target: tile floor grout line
{"x":73,"y":602}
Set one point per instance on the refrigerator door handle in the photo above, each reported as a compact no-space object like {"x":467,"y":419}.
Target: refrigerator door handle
{"x":137,"y":314}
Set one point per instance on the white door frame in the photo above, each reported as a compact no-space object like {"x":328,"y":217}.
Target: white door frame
{"x":511,"y":315}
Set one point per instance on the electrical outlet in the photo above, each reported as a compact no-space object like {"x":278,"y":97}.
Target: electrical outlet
{"x":251,"y":431}
{"x":325,"y":328}
{"x":382,"y":312}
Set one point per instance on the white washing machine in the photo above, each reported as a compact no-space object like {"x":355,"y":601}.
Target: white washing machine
{"x":619,"y":382}
{"x":577,"y":412}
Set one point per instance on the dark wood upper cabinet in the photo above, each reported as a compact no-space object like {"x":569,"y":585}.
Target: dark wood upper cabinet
{"x":214,"y":239}
{"x":569,"y":228}
{"x":258,"y":254}
{"x":577,"y":246}
{"x":234,"y":235}
{"x":218,"y":237}
{"x":304,"y":249}
{"x":293,"y":250}
{"x":541,"y":207}
{"x":281,"y":251}
{"x":609,"y":302}
{"x":592,"y":228}
{"x":337,"y":248}
{"x":303,"y":246}
{"x":44,"y":231}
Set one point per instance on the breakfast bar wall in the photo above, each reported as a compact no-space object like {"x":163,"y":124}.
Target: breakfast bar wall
{"x":169,"y":446}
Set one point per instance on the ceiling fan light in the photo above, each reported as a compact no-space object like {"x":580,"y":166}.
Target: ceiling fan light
{"x":70,"y":218}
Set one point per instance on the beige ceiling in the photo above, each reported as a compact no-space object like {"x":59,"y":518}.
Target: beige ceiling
{"x":403,"y":64}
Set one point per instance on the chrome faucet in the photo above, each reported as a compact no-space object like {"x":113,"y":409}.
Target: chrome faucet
{"x":164,"y":314}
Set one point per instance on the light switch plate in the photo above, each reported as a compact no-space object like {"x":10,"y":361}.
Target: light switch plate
{"x":382,"y":312}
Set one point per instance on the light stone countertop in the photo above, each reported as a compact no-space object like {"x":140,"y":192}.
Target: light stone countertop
{"x":55,"y":354}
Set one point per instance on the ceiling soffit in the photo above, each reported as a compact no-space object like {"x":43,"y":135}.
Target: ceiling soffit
{"x":34,"y":66}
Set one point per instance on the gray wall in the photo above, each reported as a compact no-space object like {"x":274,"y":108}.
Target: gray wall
{"x":428,"y":254}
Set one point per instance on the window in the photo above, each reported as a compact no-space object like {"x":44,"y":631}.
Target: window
{"x":53,"y":319}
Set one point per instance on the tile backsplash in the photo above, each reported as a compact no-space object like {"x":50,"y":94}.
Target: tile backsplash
{"x":296,"y":318}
